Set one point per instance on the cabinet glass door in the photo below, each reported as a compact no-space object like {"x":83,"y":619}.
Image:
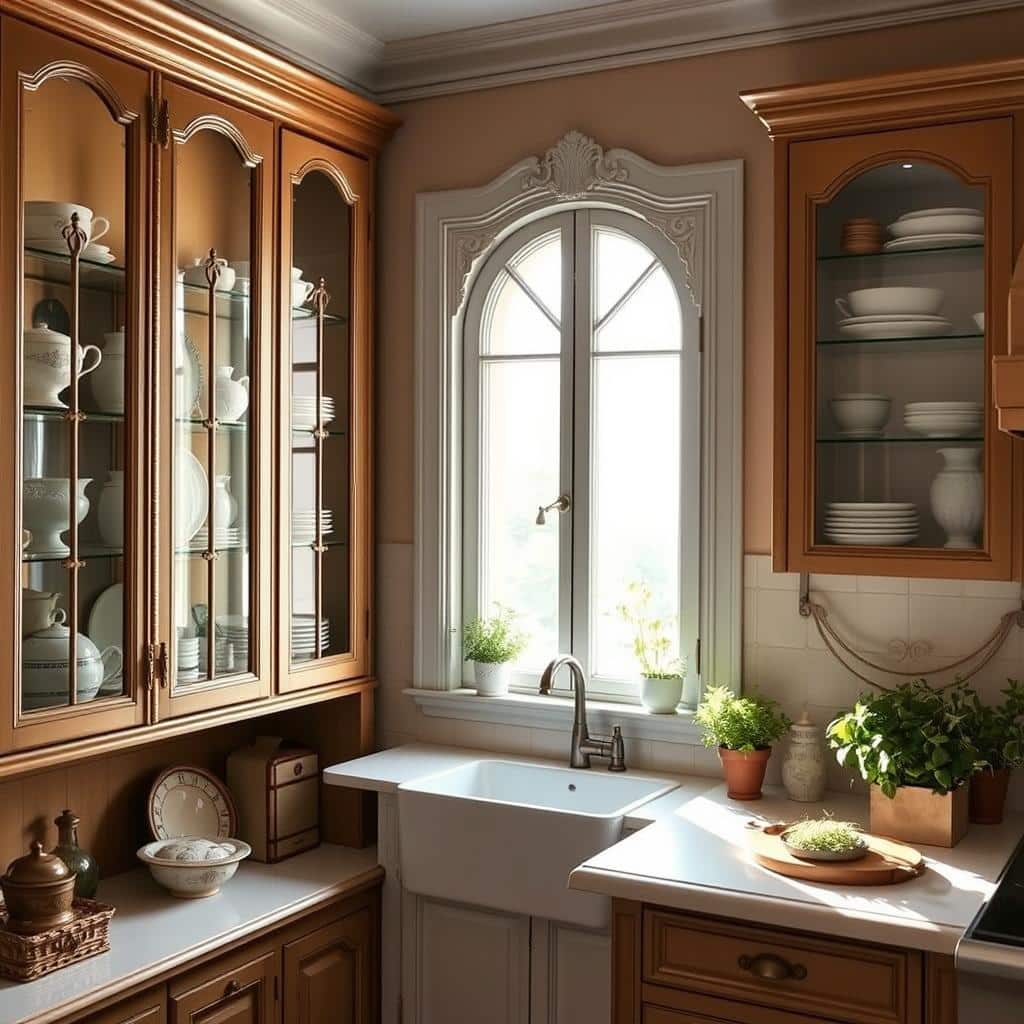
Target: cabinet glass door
{"x":902,"y":275}
{"x":72,"y":280}
{"x":324,"y":513}
{"x":219,"y":489}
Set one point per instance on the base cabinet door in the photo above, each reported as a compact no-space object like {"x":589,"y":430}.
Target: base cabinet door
{"x":147,"y":1008}
{"x":331,"y":973}
{"x":243,"y":992}
{"x":569,"y":977}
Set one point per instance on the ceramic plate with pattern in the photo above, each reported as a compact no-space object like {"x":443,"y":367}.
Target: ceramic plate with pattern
{"x":189,"y":801}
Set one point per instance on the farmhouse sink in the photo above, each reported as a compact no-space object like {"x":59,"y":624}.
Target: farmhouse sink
{"x":504,"y":835}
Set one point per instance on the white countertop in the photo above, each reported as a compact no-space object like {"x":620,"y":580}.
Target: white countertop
{"x":152,"y":930}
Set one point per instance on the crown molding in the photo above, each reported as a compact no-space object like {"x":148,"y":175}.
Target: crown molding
{"x":612,"y":35}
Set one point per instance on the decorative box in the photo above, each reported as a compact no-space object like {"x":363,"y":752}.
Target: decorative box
{"x":276,"y":787}
{"x":26,"y":957}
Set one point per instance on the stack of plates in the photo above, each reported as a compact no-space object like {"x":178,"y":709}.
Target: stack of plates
{"x":894,"y":325}
{"x":874,"y":523}
{"x":944,"y":419}
{"x":188,"y":659}
{"x":232,"y":651}
{"x":938,"y":228}
{"x":224,"y":537}
{"x":304,"y":636}
{"x":304,"y":525}
{"x":304,"y":411}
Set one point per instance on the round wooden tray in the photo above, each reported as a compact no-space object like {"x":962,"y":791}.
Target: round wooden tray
{"x":886,"y":862}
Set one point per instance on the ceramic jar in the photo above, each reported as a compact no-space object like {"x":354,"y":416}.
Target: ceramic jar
{"x":803,"y":770}
{"x":46,"y":511}
{"x":491,"y":678}
{"x":108,"y":380}
{"x":958,"y":500}
{"x":48,"y":365}
{"x":38,"y":610}
{"x":225,"y":508}
{"x":661,"y":696}
{"x":110,"y":510}
{"x":45,"y":665}
{"x":232,"y":395}
{"x":39,"y":890}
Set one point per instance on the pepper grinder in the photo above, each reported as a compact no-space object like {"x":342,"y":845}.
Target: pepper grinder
{"x":803,"y":770}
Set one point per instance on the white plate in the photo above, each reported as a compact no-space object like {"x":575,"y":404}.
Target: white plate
{"x":944,"y":211}
{"x":872,"y":506}
{"x":881,"y":540}
{"x":891,"y":318}
{"x":939,"y":224}
{"x":882,"y":526}
{"x":188,"y":376}
{"x":946,"y":241}
{"x":188,"y":801}
{"x":944,"y":406}
{"x":191,"y":495}
{"x":896,"y":329}
{"x":106,"y":627}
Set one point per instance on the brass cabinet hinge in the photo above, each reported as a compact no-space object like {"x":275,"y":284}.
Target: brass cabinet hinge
{"x":159,"y":124}
{"x":156,"y":665}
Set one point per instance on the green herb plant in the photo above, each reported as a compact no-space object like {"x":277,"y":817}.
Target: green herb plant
{"x":998,"y":732}
{"x":909,"y":736}
{"x":493,"y":640}
{"x":739,"y":723}
{"x":653,"y":647}
{"x":824,"y":835}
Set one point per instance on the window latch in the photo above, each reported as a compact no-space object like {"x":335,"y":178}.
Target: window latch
{"x":562,"y":503}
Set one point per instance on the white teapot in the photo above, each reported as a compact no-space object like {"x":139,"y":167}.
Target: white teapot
{"x":48,"y":365}
{"x":45,"y":663}
{"x":232,"y":395}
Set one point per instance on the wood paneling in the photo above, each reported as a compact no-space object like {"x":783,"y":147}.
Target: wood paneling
{"x":940,"y":990}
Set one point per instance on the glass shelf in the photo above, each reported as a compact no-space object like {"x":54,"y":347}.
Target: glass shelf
{"x":901,"y":253}
{"x":327,"y":543}
{"x":53,"y":268}
{"x":306,"y":433}
{"x":900,"y":440}
{"x":970,"y":340}
{"x":35,"y":412}
{"x":86,"y":552}
{"x":198,"y":426}
{"x":198,"y":552}
{"x":301,"y":315}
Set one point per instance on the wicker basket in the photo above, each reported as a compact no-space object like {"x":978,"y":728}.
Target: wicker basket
{"x":26,"y":957}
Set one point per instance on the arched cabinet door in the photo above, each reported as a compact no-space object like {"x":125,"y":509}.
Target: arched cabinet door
{"x":73,"y":187}
{"x":325,"y":460}
{"x":215,"y":368}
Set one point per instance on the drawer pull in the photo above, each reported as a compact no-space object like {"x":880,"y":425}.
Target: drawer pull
{"x":297,"y":770}
{"x":232,"y":988}
{"x":769,"y":967}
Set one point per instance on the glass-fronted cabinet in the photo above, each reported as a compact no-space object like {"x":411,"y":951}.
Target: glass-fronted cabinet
{"x":324,"y":462}
{"x":217,"y":416}
{"x":74,"y":201}
{"x":899,"y":260}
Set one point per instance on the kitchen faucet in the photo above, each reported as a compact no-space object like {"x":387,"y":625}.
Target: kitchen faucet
{"x":583,"y":745}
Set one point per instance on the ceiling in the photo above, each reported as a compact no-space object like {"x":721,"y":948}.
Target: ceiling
{"x":395,"y":50}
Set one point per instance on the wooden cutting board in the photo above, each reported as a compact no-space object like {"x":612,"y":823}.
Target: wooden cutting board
{"x":886,"y":862}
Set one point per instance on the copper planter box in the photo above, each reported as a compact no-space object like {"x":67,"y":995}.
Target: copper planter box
{"x":917,"y":815}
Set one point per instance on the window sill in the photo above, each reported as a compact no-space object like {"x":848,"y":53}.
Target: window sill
{"x":556,"y":713}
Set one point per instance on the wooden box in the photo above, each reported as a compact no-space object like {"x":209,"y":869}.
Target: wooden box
{"x":276,"y":788}
{"x":917,"y":815}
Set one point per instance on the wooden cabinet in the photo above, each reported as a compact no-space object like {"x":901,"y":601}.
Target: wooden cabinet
{"x":185,"y":542}
{"x":148,"y":1008}
{"x":241,"y":991}
{"x":332,"y":973}
{"x":893,"y":258}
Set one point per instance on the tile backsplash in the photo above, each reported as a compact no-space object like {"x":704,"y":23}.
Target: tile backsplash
{"x":912,"y":626}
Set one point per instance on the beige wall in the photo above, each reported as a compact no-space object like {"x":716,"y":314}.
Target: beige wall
{"x":676,"y":112}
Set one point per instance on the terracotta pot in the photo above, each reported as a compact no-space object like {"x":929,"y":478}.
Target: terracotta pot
{"x":917,"y":815}
{"x":988,"y":796}
{"x":744,"y":772}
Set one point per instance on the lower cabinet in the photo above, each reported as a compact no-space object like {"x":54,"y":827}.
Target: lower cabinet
{"x":242,"y":990}
{"x":149,"y":1007}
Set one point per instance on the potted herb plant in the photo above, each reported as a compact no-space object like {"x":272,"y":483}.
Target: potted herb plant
{"x":661,"y":667}
{"x":998,"y":737}
{"x":913,"y":745}
{"x":491,"y":645}
{"x":743,"y":729}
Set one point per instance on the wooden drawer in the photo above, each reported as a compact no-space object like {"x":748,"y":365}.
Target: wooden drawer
{"x":239,"y":989}
{"x":839,"y":981}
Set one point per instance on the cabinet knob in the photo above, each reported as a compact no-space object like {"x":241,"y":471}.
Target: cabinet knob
{"x":769,"y":967}
{"x":297,"y":770}
{"x":232,"y":988}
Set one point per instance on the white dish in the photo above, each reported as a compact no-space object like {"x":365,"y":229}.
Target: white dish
{"x":188,"y":376}
{"x":932,"y":242}
{"x":106,"y":627}
{"x":881,"y":540}
{"x":881,"y":525}
{"x":193,"y":867}
{"x":861,"y":414}
{"x":891,"y":318}
{"x":945,"y":405}
{"x":189,"y":801}
{"x":979,"y":320}
{"x":191,"y":496}
{"x":939,"y":224}
{"x":895,"y":329}
{"x":935,"y":211}
{"x":873,"y":506}
{"x":898,"y":299}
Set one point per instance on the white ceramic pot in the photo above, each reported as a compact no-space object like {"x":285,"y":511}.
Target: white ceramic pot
{"x":108,"y":381}
{"x":193,"y":867}
{"x":491,"y":677}
{"x":661,"y":696}
{"x":196,"y":275}
{"x":45,"y":664}
{"x":803,"y":770}
{"x":38,"y":610}
{"x":110,"y":510}
{"x":958,"y":500}
{"x":47,"y":513}
{"x":48,"y":365}
{"x":232,"y":395}
{"x":225,"y":508}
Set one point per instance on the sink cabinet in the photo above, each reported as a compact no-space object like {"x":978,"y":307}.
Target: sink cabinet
{"x":185,"y":546}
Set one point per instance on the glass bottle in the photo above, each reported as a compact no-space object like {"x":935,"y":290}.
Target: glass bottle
{"x":87,"y":871}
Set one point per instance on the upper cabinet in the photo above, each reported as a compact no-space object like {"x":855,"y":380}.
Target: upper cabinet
{"x":186,"y":385}
{"x":894,"y":253}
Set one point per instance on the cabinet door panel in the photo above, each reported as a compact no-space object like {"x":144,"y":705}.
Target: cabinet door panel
{"x":148,"y":1008}
{"x":570,"y":980}
{"x":331,"y":974}
{"x":325,"y":418}
{"x":241,"y":995}
{"x":73,"y":188}
{"x":216,"y":407}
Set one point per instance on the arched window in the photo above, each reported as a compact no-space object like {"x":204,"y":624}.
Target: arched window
{"x":581,"y":348}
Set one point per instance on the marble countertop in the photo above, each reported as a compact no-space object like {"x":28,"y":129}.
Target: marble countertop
{"x":152,"y":930}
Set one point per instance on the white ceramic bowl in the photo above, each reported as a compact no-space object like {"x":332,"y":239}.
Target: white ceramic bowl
{"x":939,"y":224}
{"x":192,"y":867}
{"x":858,"y":412}
{"x":906,"y":300}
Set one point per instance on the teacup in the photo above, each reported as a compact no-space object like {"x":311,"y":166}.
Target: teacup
{"x":301,"y":291}
{"x":46,"y":220}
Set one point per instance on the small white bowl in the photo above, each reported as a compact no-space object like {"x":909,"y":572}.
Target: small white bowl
{"x":898,"y":300}
{"x":860,"y":413}
{"x":192,"y":867}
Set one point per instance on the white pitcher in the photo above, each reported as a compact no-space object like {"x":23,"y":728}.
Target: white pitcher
{"x":48,"y":365}
{"x":232,"y":395}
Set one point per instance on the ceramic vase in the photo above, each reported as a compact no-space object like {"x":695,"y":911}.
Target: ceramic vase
{"x":232,"y":395}
{"x":661,"y":696}
{"x":46,"y":511}
{"x":225,"y":508}
{"x":87,"y":871}
{"x":803,"y":770}
{"x":110,"y":510}
{"x":491,"y":678}
{"x":958,"y":500}
{"x":108,"y":381}
{"x":744,"y":771}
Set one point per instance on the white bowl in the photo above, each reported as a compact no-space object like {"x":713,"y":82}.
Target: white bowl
{"x":860,"y":412}
{"x":895,"y":299}
{"x":192,"y":867}
{"x":939,"y":224}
